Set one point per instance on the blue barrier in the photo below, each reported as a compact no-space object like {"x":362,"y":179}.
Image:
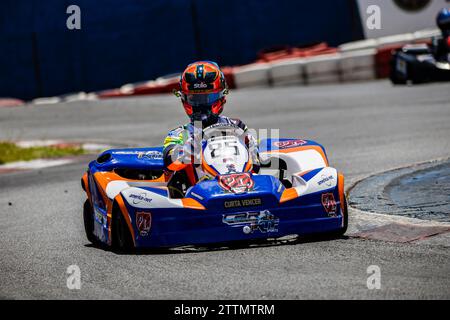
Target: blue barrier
{"x":123,"y":41}
{"x":233,"y":31}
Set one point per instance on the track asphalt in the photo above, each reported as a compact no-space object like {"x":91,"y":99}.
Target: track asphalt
{"x":366,"y":128}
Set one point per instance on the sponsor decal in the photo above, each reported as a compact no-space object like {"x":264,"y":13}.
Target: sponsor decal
{"x":197,"y":196}
{"x":141,"y":154}
{"x":222,"y":125}
{"x":152,"y":155}
{"x":99,"y":217}
{"x":200,"y":85}
{"x":138,"y":198}
{"x":247,"y":230}
{"x":326,"y":179}
{"x":242,"y":203}
{"x":143,"y":223}
{"x":231,"y":168}
{"x":125,"y":153}
{"x":329,"y":204}
{"x":289,"y":143}
{"x":263,"y":221}
{"x":236,"y":182}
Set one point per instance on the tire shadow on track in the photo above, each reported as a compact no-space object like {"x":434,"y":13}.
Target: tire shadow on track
{"x":237,"y":245}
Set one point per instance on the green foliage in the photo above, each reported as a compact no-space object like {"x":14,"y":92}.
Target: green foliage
{"x":9,"y":152}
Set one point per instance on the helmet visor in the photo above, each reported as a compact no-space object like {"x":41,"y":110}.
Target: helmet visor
{"x":202,"y":99}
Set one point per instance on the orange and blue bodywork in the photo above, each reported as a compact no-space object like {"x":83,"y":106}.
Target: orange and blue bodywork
{"x":211,"y":212}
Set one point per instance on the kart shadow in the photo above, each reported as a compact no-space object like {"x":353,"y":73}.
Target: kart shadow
{"x":237,"y":245}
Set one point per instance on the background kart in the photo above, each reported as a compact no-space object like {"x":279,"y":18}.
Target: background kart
{"x":417,"y":64}
{"x":129,"y":204}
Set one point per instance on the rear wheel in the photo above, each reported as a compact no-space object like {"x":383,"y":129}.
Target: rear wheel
{"x":345,"y":217}
{"x":122,"y":240}
{"x":343,"y":230}
{"x":88,"y":218}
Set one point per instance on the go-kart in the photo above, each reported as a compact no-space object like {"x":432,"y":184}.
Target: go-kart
{"x":130,"y":203}
{"x":417,"y":64}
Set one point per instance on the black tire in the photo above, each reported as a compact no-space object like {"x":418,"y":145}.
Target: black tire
{"x":122,"y":240}
{"x":395,"y":79}
{"x":343,"y":230}
{"x":421,"y":74}
{"x":88,"y":218}
{"x":345,"y":213}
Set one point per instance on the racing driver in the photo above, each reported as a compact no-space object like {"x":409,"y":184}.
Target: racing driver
{"x":202,"y":91}
{"x":442,"y":43}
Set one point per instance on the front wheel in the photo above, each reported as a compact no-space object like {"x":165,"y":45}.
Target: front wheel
{"x":395,"y":79}
{"x":393,"y":75}
{"x":122,"y":240}
{"x":88,"y":219}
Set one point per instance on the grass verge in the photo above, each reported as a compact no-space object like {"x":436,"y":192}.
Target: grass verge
{"x":10,"y":152}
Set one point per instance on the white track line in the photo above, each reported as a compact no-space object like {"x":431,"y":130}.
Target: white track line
{"x":36,"y":164}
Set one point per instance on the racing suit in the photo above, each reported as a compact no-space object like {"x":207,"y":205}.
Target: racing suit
{"x":180,"y":135}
